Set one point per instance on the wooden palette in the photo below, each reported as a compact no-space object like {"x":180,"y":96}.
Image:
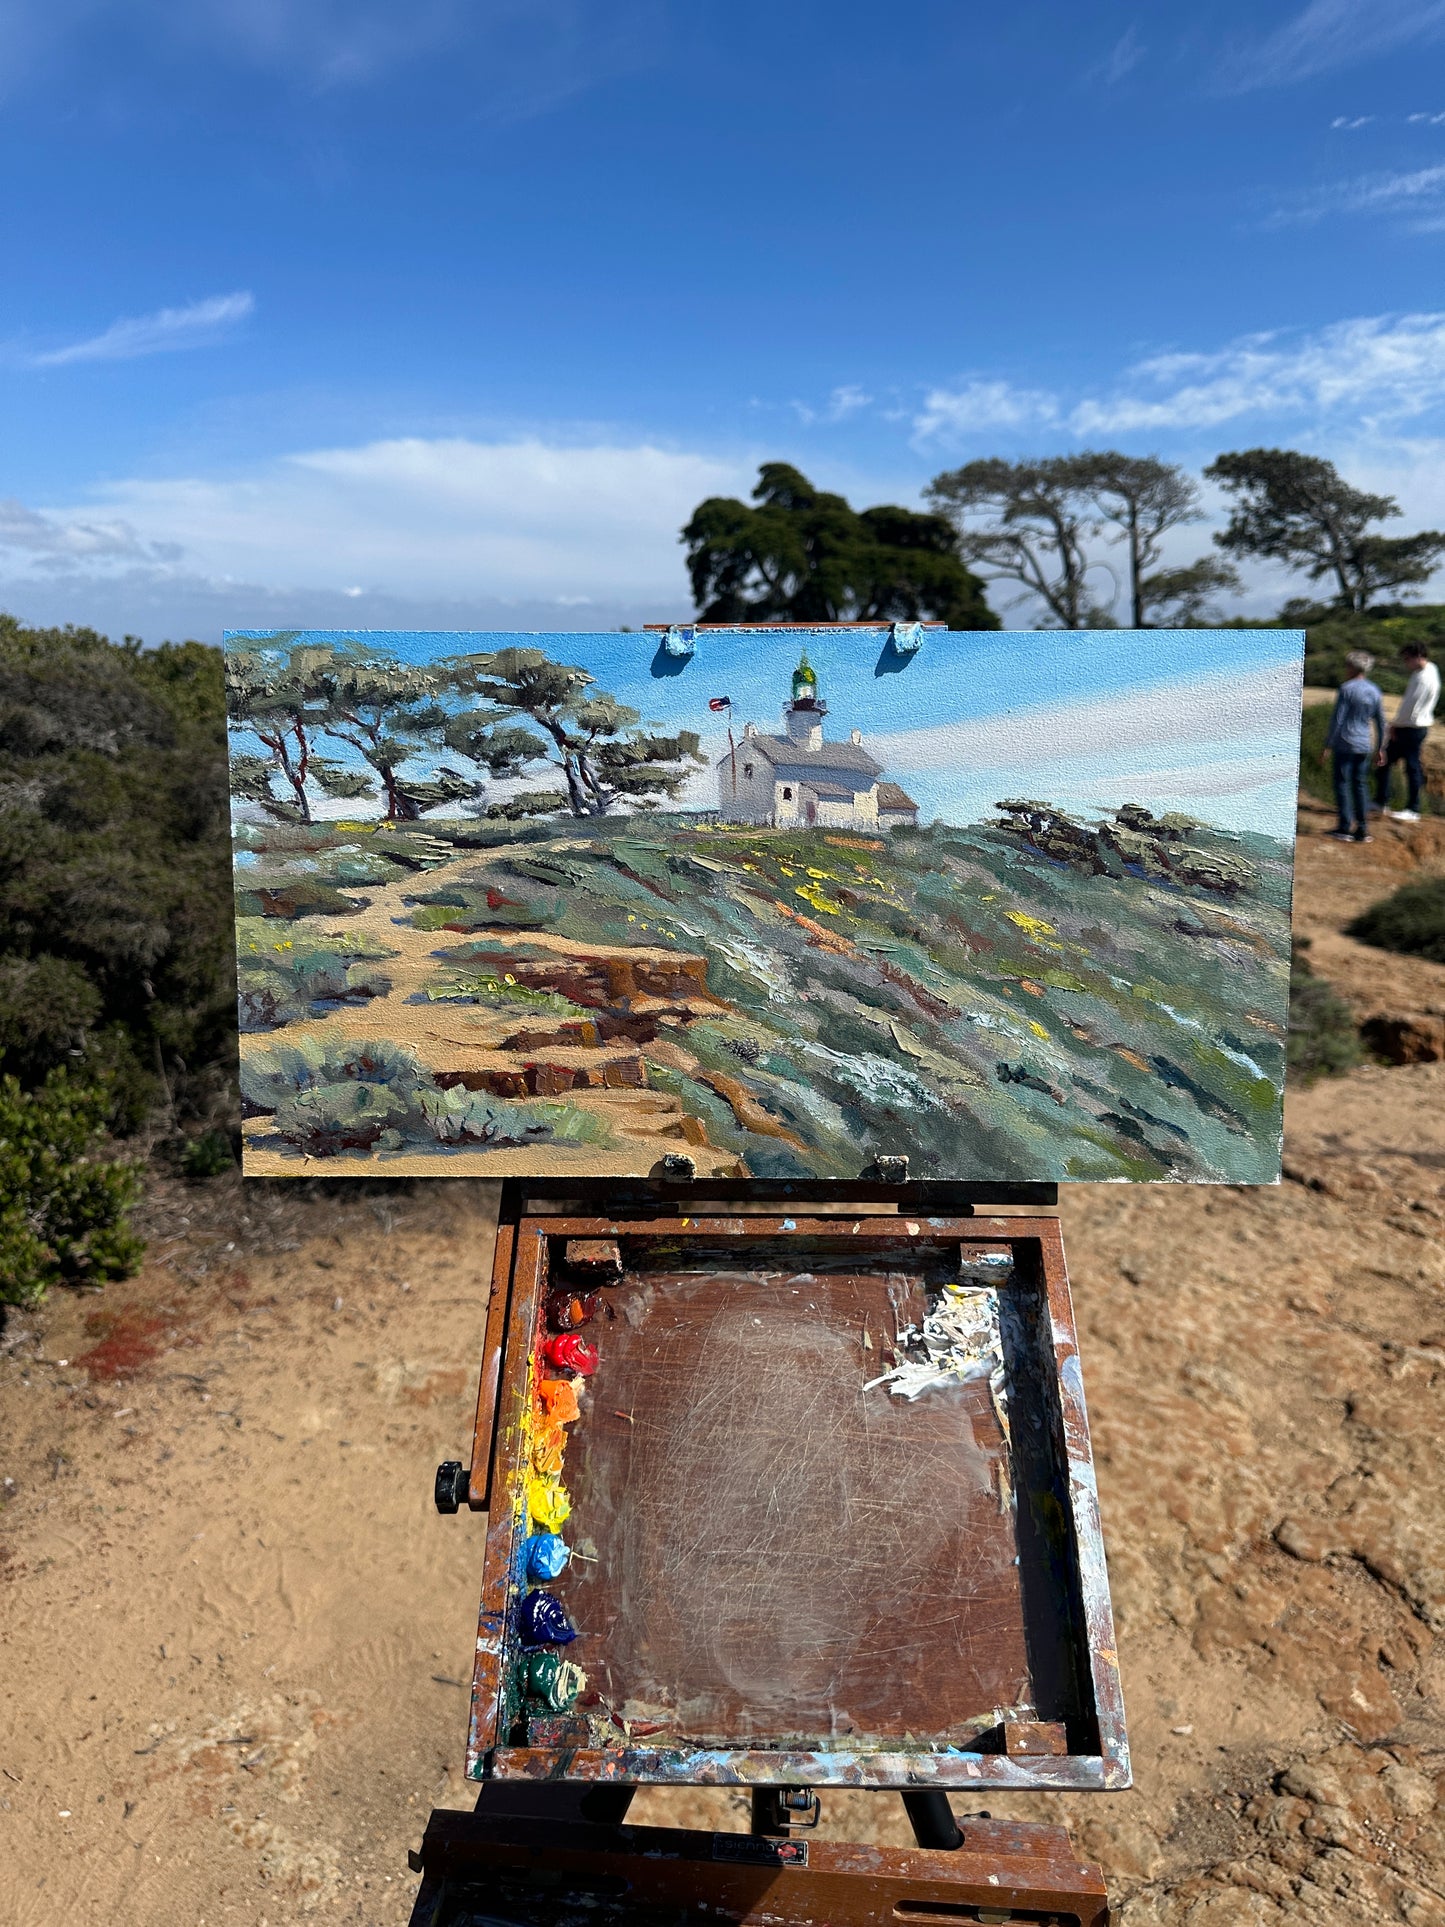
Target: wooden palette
{"x":784,"y":1570}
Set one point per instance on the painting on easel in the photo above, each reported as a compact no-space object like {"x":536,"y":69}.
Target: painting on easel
{"x":1014,"y":906}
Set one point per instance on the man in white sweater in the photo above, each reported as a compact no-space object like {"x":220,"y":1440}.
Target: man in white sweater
{"x":1407,"y":734}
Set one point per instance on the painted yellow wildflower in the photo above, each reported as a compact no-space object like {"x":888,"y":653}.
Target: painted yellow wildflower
{"x":786,"y":871}
{"x":820,"y":876}
{"x":508,"y":978}
{"x":1038,"y":1030}
{"x":1031,"y":926}
{"x":810,"y":893}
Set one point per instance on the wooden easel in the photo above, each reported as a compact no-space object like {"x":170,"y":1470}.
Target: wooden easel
{"x":548,"y":1842}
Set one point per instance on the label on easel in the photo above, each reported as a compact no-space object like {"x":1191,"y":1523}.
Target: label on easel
{"x":759,"y":1852}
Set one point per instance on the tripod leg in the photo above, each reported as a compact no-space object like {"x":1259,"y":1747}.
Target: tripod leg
{"x":931,"y":1818}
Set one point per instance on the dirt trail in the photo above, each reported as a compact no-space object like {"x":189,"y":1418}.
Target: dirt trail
{"x":230,"y":1621}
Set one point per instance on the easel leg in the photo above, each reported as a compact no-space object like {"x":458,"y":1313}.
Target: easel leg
{"x":931,"y":1818}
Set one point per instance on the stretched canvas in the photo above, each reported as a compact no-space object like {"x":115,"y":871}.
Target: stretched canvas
{"x":784,"y":900}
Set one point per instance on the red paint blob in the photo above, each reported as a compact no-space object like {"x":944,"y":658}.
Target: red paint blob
{"x":570,"y":1354}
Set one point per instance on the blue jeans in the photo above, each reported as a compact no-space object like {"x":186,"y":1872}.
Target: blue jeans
{"x":1351,"y":766}
{"x":1402,"y":746}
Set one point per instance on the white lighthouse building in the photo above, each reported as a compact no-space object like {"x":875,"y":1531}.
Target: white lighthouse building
{"x":800,"y":779}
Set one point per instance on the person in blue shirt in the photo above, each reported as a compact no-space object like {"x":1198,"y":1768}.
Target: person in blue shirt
{"x":1356,"y":742}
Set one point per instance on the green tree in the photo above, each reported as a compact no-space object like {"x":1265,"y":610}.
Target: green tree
{"x":595,"y":741}
{"x":116,"y":939}
{"x":1299,"y":510}
{"x":62,"y":1212}
{"x":1183,"y":598}
{"x":1144,"y":498}
{"x":802,"y":555}
{"x":1028,"y":522}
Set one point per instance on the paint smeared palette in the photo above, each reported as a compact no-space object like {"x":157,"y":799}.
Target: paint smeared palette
{"x":791,"y":1500}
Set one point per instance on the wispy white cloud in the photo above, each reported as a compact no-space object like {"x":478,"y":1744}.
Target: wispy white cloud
{"x":950,"y":413}
{"x":1122,"y":58}
{"x":1327,"y":34}
{"x":1425,"y":120}
{"x":846,"y":400}
{"x":1351,"y":124}
{"x":1382,"y":368}
{"x":1414,"y":192}
{"x":197,"y":326}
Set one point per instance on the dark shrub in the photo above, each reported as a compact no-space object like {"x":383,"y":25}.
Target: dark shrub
{"x":1411,"y":921}
{"x":1323,"y":1040}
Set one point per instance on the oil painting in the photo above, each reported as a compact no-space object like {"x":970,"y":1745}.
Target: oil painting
{"x":783,"y":900}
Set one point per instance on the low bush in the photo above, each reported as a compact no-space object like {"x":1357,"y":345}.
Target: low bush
{"x":269,"y":1078}
{"x":461,"y":1116}
{"x":1323,"y":1040}
{"x":63,"y":1215}
{"x":1412,"y":921}
{"x":206,"y":1156}
{"x":325,"y":1099}
{"x":282,"y":979}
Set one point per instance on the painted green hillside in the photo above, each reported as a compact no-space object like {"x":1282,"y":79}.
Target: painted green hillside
{"x":1038,"y":997}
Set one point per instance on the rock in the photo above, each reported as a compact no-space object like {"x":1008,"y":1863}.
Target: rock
{"x":1307,"y":1539}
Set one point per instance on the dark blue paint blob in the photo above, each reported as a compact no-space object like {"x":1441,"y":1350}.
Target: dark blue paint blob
{"x":543,"y":1621}
{"x":546,"y":1555}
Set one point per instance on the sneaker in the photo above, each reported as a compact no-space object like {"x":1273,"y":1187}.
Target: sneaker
{"x":1404,"y":816}
{"x":1340,"y":836}
{"x":1360,"y":836}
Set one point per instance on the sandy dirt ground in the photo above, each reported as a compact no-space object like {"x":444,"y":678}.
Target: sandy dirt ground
{"x":233,"y":1632}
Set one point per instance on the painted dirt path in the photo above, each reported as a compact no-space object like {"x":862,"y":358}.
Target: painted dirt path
{"x":632,"y":992}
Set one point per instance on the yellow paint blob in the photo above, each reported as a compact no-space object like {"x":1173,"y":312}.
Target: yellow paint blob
{"x":548,"y":1504}
{"x":1031,"y":926}
{"x":1038,"y":1030}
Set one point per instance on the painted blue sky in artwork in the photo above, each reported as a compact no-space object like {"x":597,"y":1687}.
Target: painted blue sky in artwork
{"x":1205,"y":721}
{"x":330,"y":311}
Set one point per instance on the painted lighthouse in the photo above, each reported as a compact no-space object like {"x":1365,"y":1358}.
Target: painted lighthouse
{"x":800,"y":779}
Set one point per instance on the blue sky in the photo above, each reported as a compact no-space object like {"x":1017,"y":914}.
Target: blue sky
{"x":1205,"y":721}
{"x":322,"y":312}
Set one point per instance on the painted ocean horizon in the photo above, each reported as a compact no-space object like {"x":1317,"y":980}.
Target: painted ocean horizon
{"x":1012,"y":906}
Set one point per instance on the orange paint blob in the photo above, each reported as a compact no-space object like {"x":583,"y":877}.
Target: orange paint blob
{"x":559,"y":1400}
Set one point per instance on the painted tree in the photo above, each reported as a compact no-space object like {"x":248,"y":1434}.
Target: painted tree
{"x":1298,"y":509}
{"x":389,"y":712}
{"x":594,"y":741}
{"x":271,"y":691}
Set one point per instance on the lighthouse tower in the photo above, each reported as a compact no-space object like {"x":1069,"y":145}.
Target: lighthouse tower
{"x":803,"y":716}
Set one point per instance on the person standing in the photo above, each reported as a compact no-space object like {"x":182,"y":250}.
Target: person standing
{"x":1356,"y":739}
{"x":1406,"y":740}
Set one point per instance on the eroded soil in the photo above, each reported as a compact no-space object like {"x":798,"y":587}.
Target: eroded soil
{"x":232,"y":1627}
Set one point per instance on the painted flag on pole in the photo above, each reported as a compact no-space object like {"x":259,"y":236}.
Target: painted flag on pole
{"x":726,"y":702}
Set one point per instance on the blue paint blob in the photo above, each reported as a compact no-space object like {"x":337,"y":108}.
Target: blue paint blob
{"x":543,"y":1621}
{"x":546,"y":1555}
